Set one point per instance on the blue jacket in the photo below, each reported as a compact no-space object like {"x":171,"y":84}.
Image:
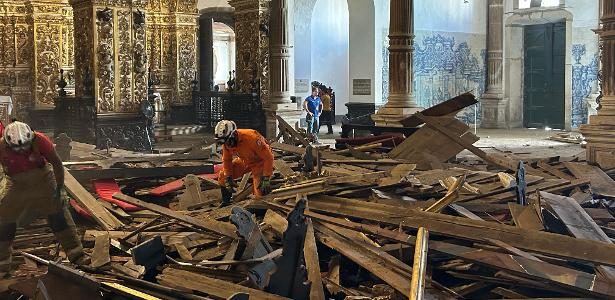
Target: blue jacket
{"x":313,"y":104}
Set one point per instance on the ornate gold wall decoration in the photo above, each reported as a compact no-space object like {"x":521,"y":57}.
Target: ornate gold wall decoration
{"x":251,"y":31}
{"x":35,"y":42}
{"x":172,"y":35}
{"x":124,"y":54}
{"x":140,"y":56}
{"x":105,"y":79}
{"x":84,"y":61}
{"x":47,"y":62}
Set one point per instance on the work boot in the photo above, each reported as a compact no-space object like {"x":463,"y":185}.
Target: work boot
{"x":72,"y":246}
{"x":6,"y":249}
{"x":64,"y":229}
{"x":227,"y":197}
{"x":7,"y":235}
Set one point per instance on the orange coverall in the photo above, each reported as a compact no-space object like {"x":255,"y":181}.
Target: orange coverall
{"x":252,"y":153}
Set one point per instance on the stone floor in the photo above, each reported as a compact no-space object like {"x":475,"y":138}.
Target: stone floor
{"x":523,"y":142}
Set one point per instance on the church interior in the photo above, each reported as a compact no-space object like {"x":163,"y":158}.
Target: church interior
{"x":307,"y":149}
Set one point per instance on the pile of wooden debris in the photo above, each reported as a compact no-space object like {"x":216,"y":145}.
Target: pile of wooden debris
{"x":373,"y":220}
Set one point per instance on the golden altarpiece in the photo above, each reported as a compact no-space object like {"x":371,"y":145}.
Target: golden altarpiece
{"x":107,"y":50}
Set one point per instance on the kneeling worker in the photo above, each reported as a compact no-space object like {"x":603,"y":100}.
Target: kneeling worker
{"x":34,"y":179}
{"x":243,"y":150}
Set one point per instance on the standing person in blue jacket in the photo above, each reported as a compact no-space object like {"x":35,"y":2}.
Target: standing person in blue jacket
{"x":313,"y":106}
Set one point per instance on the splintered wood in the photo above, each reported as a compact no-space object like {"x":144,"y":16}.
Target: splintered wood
{"x":365,"y":222}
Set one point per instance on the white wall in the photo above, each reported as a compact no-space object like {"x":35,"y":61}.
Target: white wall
{"x":450,"y":16}
{"x":302,"y":29}
{"x":362,"y":38}
{"x":329,"y":48}
{"x":212,"y":3}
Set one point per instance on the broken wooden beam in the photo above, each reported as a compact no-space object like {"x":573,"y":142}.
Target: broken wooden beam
{"x":458,"y":227}
{"x":118,"y":173}
{"x":99,"y":213}
{"x":222,"y":228}
{"x":419,"y":267}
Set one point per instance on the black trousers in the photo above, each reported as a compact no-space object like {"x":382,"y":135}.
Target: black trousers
{"x":326,"y":118}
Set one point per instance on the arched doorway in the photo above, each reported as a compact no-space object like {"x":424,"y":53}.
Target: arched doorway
{"x":223,"y":54}
{"x":216,"y":34}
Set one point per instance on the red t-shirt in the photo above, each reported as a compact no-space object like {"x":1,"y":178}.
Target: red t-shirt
{"x":18,"y":162}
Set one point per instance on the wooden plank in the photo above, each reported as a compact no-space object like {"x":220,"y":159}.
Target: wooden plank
{"x":276,"y":221}
{"x":371,"y":262}
{"x":446,"y":108}
{"x":458,"y":227}
{"x":419,"y":266}
{"x":450,"y":197}
{"x":512,"y":250}
{"x":100,"y":214}
{"x":210,"y":286}
{"x":222,"y":228}
{"x":310,"y":252}
{"x":574,"y":217}
{"x":284,"y":168}
{"x":554,"y":171}
{"x":490,"y":158}
{"x":574,"y":280}
{"x":578,"y":223}
{"x":525,"y":216}
{"x":427,"y":147}
{"x":464,"y":212}
{"x":600,"y":182}
{"x":118,"y":173}
{"x":100,"y":254}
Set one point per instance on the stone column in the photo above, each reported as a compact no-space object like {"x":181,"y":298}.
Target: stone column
{"x":279,"y":83}
{"x":401,"y":102}
{"x":600,"y":132}
{"x":493,"y":103}
{"x":280,"y":53}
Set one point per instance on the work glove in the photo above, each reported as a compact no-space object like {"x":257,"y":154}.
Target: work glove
{"x":229,"y":184}
{"x":265,"y":186}
{"x":57,"y":192}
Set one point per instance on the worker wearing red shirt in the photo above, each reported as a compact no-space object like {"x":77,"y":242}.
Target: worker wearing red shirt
{"x":34,"y":179}
{"x":243,"y":151}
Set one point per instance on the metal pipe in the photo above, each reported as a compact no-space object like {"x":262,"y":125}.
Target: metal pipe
{"x":417,"y":284}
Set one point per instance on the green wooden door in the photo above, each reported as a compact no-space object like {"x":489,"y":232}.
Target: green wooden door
{"x":544,"y":78}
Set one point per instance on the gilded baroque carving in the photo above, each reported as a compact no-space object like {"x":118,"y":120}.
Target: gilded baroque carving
{"x":124,"y":53}
{"x":106,"y":65}
{"x":47,"y":62}
{"x":186,"y":66}
{"x":83,"y":59}
{"x":251,"y":21}
{"x":140,"y":58}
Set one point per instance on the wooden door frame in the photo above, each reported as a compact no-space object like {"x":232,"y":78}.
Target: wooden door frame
{"x":514,"y":53}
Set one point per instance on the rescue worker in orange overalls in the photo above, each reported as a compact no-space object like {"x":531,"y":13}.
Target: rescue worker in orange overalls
{"x":34,"y":180}
{"x":243,"y":150}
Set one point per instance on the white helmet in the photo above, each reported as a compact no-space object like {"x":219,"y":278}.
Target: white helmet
{"x":18,"y":135}
{"x":224,"y":129}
